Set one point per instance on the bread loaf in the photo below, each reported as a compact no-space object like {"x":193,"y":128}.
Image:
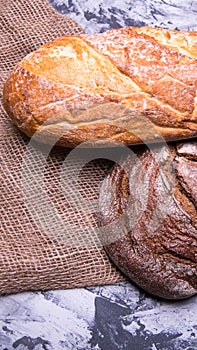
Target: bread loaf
{"x":149,"y":219}
{"x":106,"y":86}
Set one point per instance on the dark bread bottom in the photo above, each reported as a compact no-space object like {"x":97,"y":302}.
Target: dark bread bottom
{"x":149,"y":219}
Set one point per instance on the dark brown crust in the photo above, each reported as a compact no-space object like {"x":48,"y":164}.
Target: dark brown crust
{"x":162,"y":260}
{"x":105,"y":87}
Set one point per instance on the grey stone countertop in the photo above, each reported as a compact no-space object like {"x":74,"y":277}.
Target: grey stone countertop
{"x":118,"y":317}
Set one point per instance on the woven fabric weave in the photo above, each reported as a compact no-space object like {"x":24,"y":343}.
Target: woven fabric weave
{"x":29,"y":258}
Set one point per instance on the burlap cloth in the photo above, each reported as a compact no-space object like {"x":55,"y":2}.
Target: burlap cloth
{"x":29,"y":258}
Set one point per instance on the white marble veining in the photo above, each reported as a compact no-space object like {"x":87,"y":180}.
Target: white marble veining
{"x":99,"y":16}
{"x":107,"y":317}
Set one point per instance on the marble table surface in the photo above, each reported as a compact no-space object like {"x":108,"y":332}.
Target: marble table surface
{"x":121,"y":316}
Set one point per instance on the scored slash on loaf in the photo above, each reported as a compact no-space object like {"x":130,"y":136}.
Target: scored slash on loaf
{"x":103,"y":87}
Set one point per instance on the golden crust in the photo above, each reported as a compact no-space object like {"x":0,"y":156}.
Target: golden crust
{"x":125,"y":85}
{"x":181,"y":41}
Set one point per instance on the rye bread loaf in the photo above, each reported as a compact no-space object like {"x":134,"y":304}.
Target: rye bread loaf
{"x":105,"y":86}
{"x":149,"y":219}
